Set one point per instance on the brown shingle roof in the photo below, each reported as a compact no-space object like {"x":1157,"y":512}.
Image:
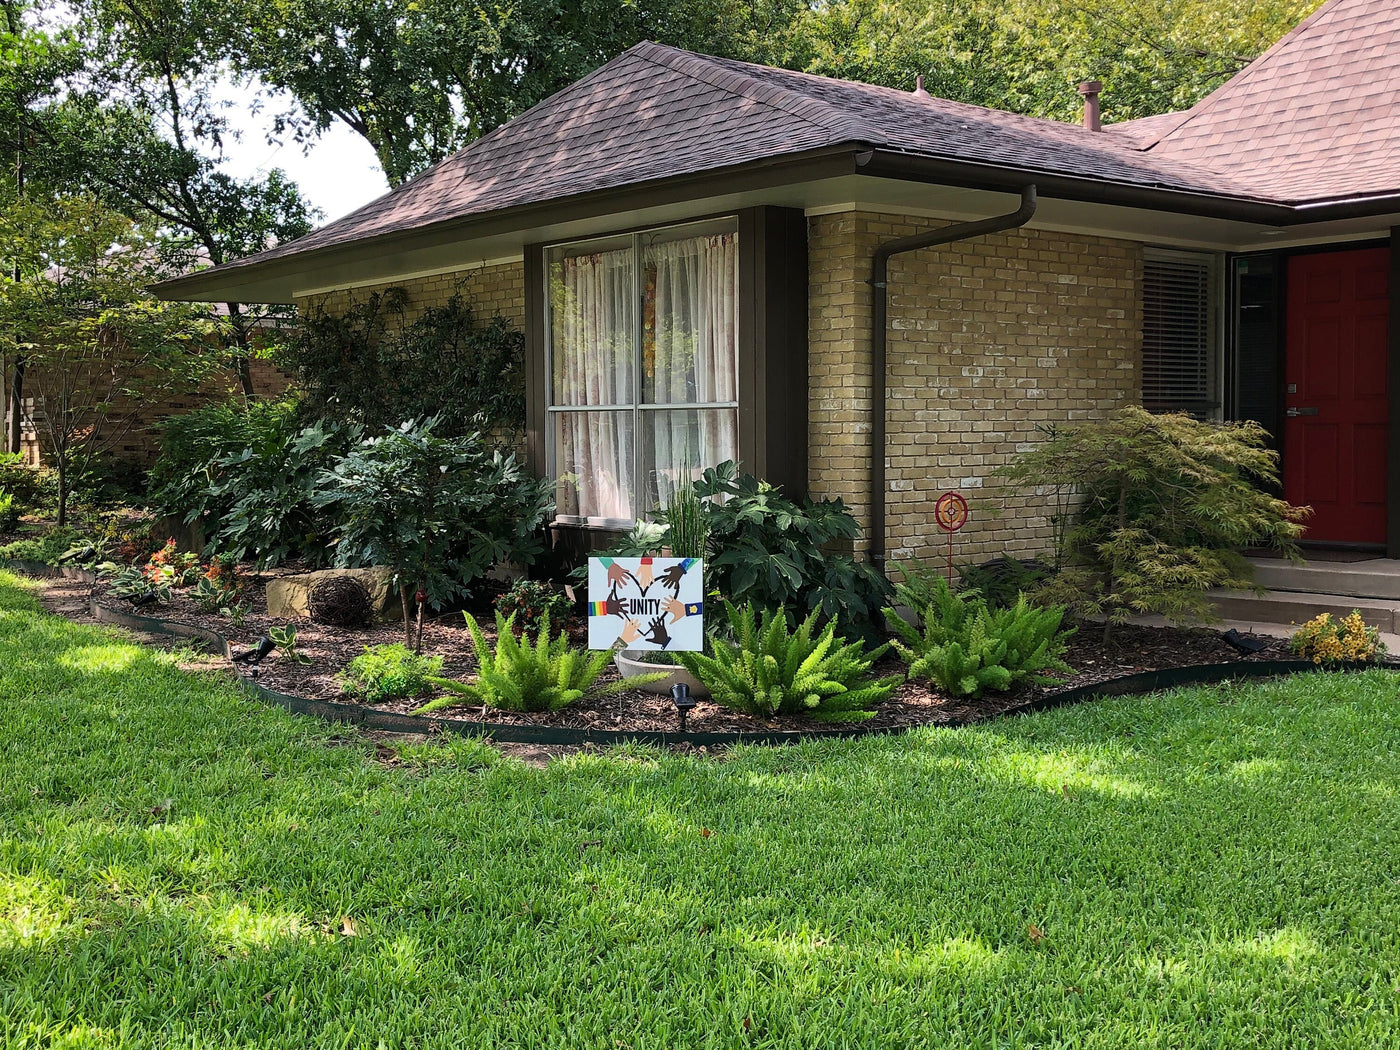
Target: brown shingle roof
{"x":655,"y":112}
{"x":1316,"y":117}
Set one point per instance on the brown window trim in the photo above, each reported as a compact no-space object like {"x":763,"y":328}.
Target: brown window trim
{"x":772,"y":354}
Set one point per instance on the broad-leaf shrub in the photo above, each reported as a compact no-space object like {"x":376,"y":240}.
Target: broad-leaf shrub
{"x":439,"y":511}
{"x":389,"y":672}
{"x":369,"y":366}
{"x":543,"y":674}
{"x":771,"y":669}
{"x":777,"y":552}
{"x":248,"y":473}
{"x":9,"y":512}
{"x":762,"y":547}
{"x":529,"y":602}
{"x":1167,"y":505}
{"x":964,"y":646}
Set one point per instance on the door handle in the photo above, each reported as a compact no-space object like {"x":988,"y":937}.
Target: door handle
{"x":1292,"y":412}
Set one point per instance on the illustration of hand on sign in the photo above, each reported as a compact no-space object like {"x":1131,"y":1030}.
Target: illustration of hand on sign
{"x":625,"y":608}
{"x":672,"y":578}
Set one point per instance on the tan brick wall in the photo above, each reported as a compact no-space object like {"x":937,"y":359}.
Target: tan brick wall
{"x":987,"y":339}
{"x":499,"y":288}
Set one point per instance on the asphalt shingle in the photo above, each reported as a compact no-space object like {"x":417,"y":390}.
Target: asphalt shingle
{"x":1316,"y":117}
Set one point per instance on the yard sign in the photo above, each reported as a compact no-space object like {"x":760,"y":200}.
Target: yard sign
{"x":646,"y":603}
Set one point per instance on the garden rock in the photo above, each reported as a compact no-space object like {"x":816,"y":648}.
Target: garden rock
{"x":288,"y":596}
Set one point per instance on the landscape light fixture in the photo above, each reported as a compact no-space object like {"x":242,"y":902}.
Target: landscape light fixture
{"x":260,"y":651}
{"x":680,"y":696}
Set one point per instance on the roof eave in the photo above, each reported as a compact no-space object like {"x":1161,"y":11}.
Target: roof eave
{"x":971,"y":175}
{"x":226,"y":282}
{"x":220,"y":282}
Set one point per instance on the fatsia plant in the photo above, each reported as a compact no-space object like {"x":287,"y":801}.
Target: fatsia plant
{"x":543,"y":674}
{"x":965,"y":646}
{"x":771,"y":669}
{"x":1167,"y":505}
{"x":779,"y":553}
{"x":438,"y":511}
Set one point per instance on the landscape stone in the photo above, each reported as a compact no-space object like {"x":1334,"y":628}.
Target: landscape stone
{"x":287,"y":596}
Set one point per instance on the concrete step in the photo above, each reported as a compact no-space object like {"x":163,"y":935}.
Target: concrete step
{"x":1375,"y":578}
{"x":1293,"y":607}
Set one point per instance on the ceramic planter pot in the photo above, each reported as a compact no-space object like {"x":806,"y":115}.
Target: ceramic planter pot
{"x":629,"y":666}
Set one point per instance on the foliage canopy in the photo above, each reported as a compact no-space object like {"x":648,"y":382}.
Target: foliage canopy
{"x":370,"y":365}
{"x":1168,"y":503}
{"x":439,"y":511}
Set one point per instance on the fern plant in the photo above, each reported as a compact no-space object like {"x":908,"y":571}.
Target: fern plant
{"x":964,"y":646}
{"x":771,"y":669}
{"x":389,"y":672}
{"x":524,"y":675}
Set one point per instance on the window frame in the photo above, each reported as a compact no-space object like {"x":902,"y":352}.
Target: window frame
{"x":1214,"y":406}
{"x":636,"y":238}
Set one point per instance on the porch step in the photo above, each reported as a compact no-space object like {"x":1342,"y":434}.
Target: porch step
{"x":1374,"y":578}
{"x":1295,"y":607}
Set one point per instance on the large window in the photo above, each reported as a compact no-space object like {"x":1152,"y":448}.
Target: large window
{"x":643,"y":359}
{"x":1180,"y":358}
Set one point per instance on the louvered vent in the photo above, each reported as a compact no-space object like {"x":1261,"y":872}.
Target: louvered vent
{"x":1177,"y":334}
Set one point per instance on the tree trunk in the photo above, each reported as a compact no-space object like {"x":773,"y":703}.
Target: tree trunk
{"x":1113,"y":569}
{"x":404,"y":595}
{"x":61,"y":463}
{"x":16,"y":399}
{"x":418,"y":645}
{"x":242,"y":360}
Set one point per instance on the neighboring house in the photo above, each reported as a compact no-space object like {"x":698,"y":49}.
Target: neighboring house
{"x":690,"y":244}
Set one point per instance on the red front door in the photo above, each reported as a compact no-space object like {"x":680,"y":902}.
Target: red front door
{"x":1334,"y":437}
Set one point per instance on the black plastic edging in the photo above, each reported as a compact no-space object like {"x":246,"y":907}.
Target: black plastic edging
{"x":389,"y":722}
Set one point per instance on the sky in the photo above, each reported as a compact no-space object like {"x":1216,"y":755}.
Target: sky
{"x":339,"y":173}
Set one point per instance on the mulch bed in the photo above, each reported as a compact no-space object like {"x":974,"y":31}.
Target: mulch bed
{"x":1132,"y":650}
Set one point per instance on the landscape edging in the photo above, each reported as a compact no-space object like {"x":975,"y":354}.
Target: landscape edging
{"x":389,"y":722}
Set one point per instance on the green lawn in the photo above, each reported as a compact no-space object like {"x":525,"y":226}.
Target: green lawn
{"x":180,"y":866}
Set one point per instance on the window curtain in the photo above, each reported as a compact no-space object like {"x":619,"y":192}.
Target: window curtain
{"x":690,"y":356}
{"x":594,"y":318}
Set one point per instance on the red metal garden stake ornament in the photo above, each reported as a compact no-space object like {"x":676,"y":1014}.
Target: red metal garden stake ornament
{"x":950,"y":512}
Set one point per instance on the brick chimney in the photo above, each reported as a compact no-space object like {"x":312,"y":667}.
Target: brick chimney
{"x":1090,"y":90}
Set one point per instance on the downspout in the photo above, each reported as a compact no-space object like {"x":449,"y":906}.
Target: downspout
{"x":879,"y":280}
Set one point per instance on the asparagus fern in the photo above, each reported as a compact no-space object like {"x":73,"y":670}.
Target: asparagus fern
{"x":523,"y":675}
{"x":770,"y":670}
{"x":965,"y":646}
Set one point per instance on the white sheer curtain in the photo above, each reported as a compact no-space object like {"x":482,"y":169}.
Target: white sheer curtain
{"x":693,"y":356}
{"x":686,"y":306}
{"x":594,"y":319}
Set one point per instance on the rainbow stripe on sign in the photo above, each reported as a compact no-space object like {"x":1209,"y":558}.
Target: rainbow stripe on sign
{"x":597,"y":608}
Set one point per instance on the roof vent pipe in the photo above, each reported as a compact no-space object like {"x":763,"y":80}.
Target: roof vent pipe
{"x":879,"y":282}
{"x":919,"y":90}
{"x":1090,"y":90}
